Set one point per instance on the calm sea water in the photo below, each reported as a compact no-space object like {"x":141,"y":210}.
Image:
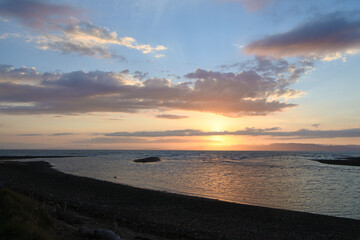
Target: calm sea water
{"x":286,"y":180}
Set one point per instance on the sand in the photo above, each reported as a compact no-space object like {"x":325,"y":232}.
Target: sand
{"x":165,"y":215}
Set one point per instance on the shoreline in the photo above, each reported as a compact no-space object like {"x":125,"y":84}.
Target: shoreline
{"x":9,"y":158}
{"x":169,"y":215}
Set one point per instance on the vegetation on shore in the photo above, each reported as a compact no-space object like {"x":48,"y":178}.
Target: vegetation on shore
{"x":22,"y":218}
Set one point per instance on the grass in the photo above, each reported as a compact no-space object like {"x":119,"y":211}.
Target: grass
{"x":22,"y":218}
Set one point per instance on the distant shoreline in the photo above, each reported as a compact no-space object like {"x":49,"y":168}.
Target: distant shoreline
{"x":169,"y":215}
{"x":31,"y":157}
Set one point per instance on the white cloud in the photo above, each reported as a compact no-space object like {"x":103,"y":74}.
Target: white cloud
{"x":88,"y":39}
{"x":7,"y":35}
{"x":67,"y":34}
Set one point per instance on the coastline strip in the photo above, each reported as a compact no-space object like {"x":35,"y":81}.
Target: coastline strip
{"x":169,"y":215}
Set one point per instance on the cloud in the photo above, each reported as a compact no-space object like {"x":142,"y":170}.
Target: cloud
{"x":7,"y":35}
{"x":316,"y":125}
{"x":120,"y":140}
{"x":4,"y":19}
{"x":189,"y":132}
{"x":38,"y":134}
{"x":171,"y":116}
{"x":23,"y":74}
{"x":88,"y":39}
{"x":140,"y":75}
{"x":272,"y":132}
{"x":30,"y":135}
{"x":159,"y":55}
{"x":61,"y":134}
{"x":68,"y":34}
{"x":37,"y":14}
{"x":257,"y":90}
{"x":328,"y":38}
{"x":298,"y":147}
{"x":254,"y":5}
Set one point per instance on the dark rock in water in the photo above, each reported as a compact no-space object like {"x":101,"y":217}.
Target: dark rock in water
{"x":147,"y":160}
{"x":349,"y":161}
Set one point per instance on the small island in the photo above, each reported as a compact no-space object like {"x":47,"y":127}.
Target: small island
{"x":147,"y":160}
{"x":349,"y":161}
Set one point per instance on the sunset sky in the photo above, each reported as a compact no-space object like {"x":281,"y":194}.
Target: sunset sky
{"x":189,"y":74}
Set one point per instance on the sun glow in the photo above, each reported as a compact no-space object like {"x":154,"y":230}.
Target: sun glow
{"x":217,"y":140}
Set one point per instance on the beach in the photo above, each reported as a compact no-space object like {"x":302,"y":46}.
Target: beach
{"x":161,"y":215}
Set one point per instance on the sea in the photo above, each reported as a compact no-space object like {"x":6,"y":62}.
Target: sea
{"x":284,"y":180}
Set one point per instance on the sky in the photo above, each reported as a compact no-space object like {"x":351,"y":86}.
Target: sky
{"x":180,"y":75}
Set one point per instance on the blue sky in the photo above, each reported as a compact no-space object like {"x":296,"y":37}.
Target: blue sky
{"x":73,"y":72}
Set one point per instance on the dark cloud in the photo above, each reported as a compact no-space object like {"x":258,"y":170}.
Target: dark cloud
{"x":126,"y":71}
{"x":140,"y":75}
{"x":307,"y":134}
{"x":171,"y":116}
{"x":272,"y":132}
{"x":9,"y":73}
{"x":157,"y":83}
{"x":168,"y":133}
{"x":61,"y":134}
{"x":37,"y":14}
{"x":299,"y":147}
{"x":281,"y":69}
{"x":316,"y":125}
{"x":38,"y":134}
{"x":328,"y":38}
{"x":190,"y":132}
{"x":258,"y":90}
{"x":30,"y":135}
{"x":113,"y":140}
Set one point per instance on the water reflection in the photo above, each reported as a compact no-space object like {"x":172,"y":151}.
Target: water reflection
{"x":282,"y":180}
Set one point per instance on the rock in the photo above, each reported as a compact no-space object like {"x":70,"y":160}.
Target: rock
{"x":85,"y":232}
{"x":99,"y":233}
{"x":147,"y":160}
{"x":105,"y":234}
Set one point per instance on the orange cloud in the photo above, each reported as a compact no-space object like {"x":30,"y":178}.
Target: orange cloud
{"x":257,"y":90}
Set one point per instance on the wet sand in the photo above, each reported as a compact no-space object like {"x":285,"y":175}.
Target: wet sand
{"x":168,"y":215}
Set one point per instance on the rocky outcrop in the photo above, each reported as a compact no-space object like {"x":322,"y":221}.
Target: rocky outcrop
{"x":147,"y":160}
